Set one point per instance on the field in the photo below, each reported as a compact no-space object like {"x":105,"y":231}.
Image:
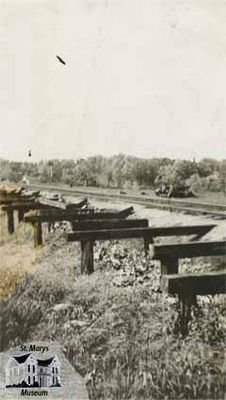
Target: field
{"x":116,"y":327}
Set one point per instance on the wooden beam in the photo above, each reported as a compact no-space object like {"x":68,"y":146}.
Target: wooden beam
{"x":109,"y":224}
{"x":207,"y":283}
{"x":183,"y":230}
{"x":54,"y":212}
{"x":74,"y":206}
{"x":189,"y":250}
{"x":72,"y":216}
{"x":13,"y":199}
{"x":26,"y":206}
{"x":146,"y":232}
{"x":52,"y":216}
{"x":107,"y":234}
{"x":126,"y":212}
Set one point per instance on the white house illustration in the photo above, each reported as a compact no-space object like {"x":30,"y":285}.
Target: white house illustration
{"x":35,"y":372}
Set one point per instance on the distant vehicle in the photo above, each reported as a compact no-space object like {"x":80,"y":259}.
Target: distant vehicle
{"x":174,"y":191}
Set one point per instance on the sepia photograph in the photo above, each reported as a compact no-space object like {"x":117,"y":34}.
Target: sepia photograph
{"x":113,"y":199}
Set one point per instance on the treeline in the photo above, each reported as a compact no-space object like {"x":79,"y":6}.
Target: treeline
{"x":120,"y":171}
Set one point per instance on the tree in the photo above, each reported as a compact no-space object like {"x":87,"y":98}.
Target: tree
{"x":152,"y":168}
{"x":117,"y":168}
{"x":140,"y":171}
{"x":207,"y":167}
{"x":167,"y":175}
{"x":222,"y":175}
{"x":196,"y":184}
{"x":177,"y":173}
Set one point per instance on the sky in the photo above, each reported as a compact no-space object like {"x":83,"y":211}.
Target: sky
{"x":142,"y":77}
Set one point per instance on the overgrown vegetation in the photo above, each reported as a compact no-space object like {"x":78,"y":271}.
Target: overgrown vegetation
{"x":116,"y":327}
{"x":121,"y":171}
{"x":17,"y":257}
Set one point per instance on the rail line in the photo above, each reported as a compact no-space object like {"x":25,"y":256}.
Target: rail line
{"x":177,"y":205}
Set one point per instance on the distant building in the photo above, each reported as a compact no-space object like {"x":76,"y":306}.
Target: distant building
{"x":27,"y":368}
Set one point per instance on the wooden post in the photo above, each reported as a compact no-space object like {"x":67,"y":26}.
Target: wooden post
{"x":186,"y":301}
{"x":87,"y":262}
{"x":73,"y":226}
{"x":147,"y":242}
{"x":188,"y":286}
{"x":146,"y":246}
{"x":169,"y":265}
{"x":20,"y":215}
{"x":37,"y":234}
{"x":10,"y":215}
{"x":50,"y":226}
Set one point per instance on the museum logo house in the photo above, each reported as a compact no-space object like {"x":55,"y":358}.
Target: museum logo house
{"x":27,"y":370}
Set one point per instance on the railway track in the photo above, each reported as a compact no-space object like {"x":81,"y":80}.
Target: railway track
{"x":217,"y":211}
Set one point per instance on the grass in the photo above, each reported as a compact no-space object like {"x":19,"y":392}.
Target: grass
{"x":123,"y":339}
{"x":17,"y":256}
